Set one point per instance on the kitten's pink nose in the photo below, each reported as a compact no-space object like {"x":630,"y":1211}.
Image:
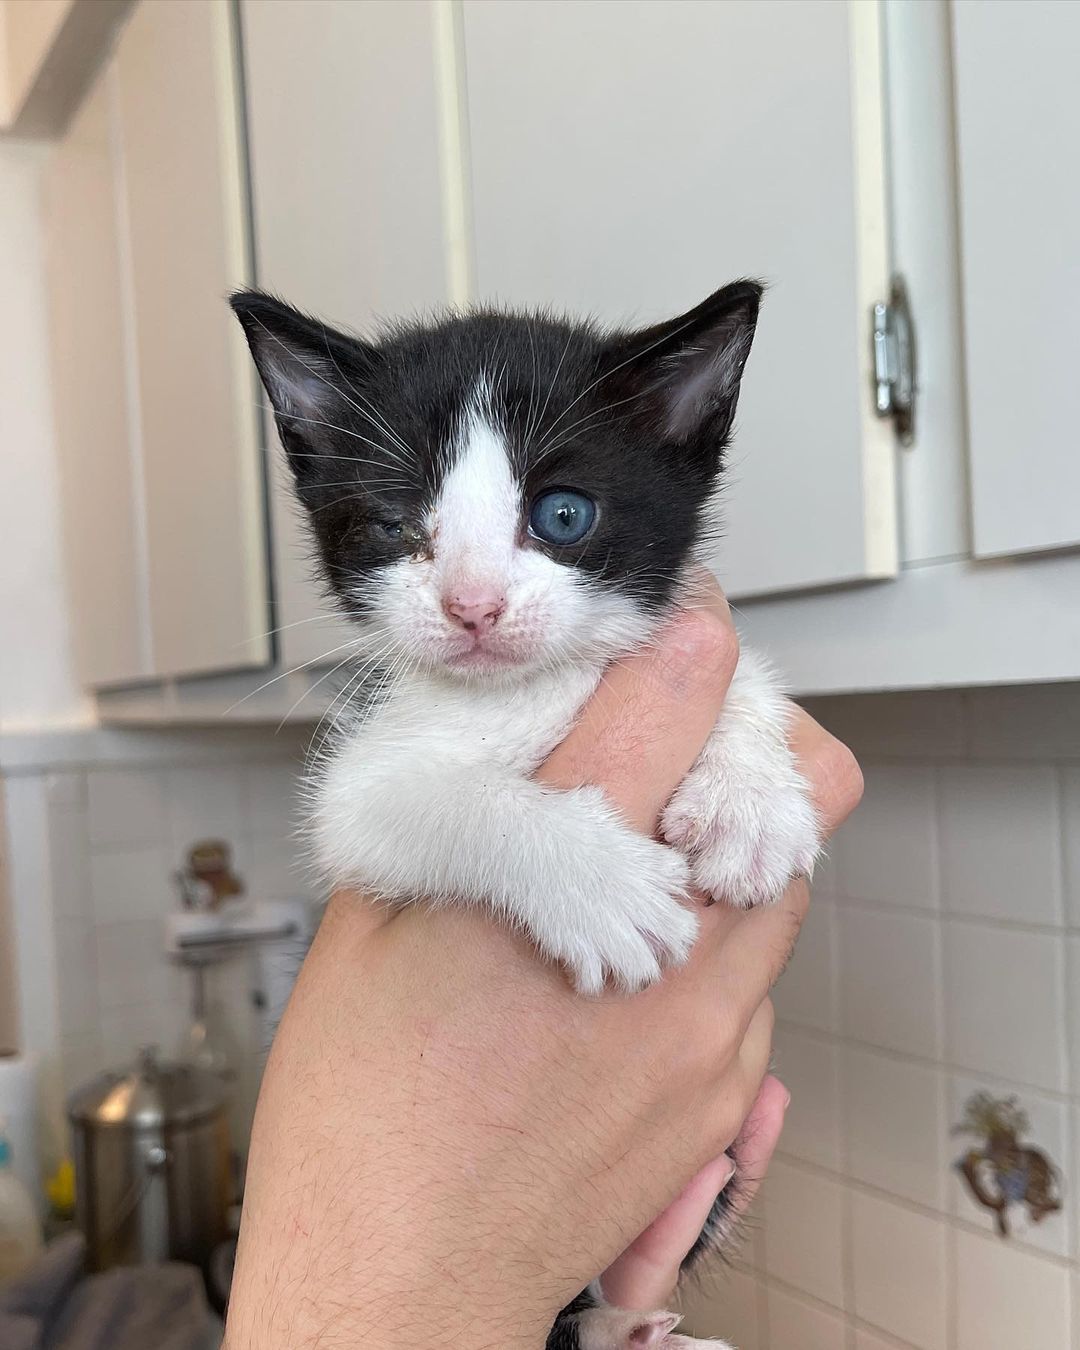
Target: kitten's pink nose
{"x":475,"y":613}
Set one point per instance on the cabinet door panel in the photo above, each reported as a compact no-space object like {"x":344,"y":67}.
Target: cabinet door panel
{"x":98,"y":479}
{"x":186,"y":230}
{"x":343,"y":121}
{"x":628,"y":159}
{"x":1018,"y":130}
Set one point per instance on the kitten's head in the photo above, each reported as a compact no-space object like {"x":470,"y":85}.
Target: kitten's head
{"x":499,"y":492}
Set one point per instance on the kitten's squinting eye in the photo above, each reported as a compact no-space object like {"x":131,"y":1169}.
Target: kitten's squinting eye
{"x":562,"y":516}
{"x":398,"y":532}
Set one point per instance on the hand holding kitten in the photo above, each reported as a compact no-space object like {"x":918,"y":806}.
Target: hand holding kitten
{"x":450,"y":1143}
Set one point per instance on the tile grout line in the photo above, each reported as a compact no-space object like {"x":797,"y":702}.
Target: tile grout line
{"x":953,"y":1068}
{"x":991,"y":921}
{"x":945,"y":1217}
{"x":851,"y":1323}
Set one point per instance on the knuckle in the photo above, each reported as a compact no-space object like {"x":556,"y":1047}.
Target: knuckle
{"x":707,"y":643}
{"x":840,"y":781}
{"x":788,"y":935}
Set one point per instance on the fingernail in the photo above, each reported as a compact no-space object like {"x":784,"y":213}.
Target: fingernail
{"x":725,"y":1173}
{"x":787,"y":1099}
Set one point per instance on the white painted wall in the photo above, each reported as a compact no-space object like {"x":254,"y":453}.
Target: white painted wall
{"x":37,"y":686}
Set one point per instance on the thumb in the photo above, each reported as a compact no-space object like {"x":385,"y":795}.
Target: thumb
{"x":644,"y":1276}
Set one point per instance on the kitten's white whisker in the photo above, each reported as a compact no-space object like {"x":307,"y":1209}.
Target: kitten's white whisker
{"x":546,"y":448}
{"x":551,"y":390}
{"x":270,"y":632}
{"x":312,"y":687}
{"x":333,"y":426}
{"x":314,"y":661}
{"x":667,"y":334}
{"x":371,"y":416}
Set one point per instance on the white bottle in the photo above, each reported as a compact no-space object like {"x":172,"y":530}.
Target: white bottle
{"x":20,"y":1231}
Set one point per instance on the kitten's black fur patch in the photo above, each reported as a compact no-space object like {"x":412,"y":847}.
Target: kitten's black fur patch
{"x":637,"y":420}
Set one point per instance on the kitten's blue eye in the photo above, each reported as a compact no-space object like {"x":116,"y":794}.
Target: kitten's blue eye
{"x":562,"y":516}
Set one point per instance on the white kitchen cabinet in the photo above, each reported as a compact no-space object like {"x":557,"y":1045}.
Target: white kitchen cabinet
{"x":186,"y":234}
{"x":100,"y":475}
{"x":627,"y":159}
{"x":345,"y":127}
{"x":1018,"y":136}
{"x":954,"y":616}
{"x":157,"y":426}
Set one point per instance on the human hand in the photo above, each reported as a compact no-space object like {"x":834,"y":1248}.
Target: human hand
{"x":644,"y":1275}
{"x":450,"y":1143}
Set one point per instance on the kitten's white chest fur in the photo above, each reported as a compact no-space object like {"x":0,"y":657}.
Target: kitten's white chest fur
{"x":431,"y":797}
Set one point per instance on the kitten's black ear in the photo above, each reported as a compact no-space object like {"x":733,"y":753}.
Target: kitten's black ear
{"x":306,"y":368}
{"x":689,"y":369}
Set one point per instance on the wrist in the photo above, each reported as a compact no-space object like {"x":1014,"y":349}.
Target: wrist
{"x":421,"y":1312}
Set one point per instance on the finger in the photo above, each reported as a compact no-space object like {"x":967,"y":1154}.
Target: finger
{"x":754,"y":952}
{"x":645,"y":1274}
{"x":758,"y":1139}
{"x":639,"y":734}
{"x":357,"y":913}
{"x":830,"y":768}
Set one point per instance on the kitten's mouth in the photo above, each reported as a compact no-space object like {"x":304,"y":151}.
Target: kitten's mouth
{"x":481,"y":657}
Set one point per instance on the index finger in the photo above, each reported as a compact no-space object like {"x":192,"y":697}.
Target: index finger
{"x":756,"y":947}
{"x":640,"y":733}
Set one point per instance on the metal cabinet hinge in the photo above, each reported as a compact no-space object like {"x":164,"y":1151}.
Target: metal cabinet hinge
{"x":894,"y":361}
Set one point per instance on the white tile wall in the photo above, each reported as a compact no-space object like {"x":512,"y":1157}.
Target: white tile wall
{"x":808,"y":993}
{"x":1005,"y":995}
{"x":1070,"y":796}
{"x":898,"y":1270}
{"x":896,"y":1126}
{"x":126,"y":807}
{"x":117,"y":831}
{"x":870,"y":1340}
{"x":890,"y":979}
{"x":941,"y":958}
{"x":804,"y":1231}
{"x":892,"y":856}
{"x":796,"y":1324}
{"x":1000,"y":841}
{"x":1006,"y":1297}
{"x":729,"y":1297}
{"x":810,"y":1067}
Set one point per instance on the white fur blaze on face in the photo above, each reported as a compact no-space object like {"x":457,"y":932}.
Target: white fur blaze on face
{"x":484,"y":599}
{"x":476,"y":521}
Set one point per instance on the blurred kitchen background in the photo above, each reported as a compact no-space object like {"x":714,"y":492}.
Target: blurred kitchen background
{"x":903,"y":173}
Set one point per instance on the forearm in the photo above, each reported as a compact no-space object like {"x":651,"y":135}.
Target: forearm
{"x":361,"y":1225}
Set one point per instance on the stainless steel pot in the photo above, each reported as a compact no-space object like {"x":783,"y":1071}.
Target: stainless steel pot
{"x":152,"y":1164}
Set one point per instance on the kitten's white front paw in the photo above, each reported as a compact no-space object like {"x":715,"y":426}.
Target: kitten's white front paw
{"x":614,"y":911}
{"x":746,"y":829}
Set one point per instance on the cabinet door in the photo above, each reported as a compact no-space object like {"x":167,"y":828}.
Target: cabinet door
{"x":1018,"y":131}
{"x":344,"y":129}
{"x":627,"y":159}
{"x":98,"y":474}
{"x":185,"y":229}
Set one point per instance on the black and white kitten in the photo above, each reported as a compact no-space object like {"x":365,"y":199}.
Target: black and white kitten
{"x":503,"y":504}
